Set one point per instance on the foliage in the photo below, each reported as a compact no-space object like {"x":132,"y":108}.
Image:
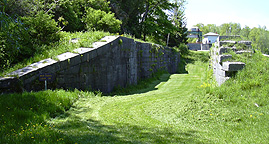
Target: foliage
{"x":100,"y":20}
{"x":15,"y":41}
{"x":226,"y":29}
{"x":208,"y":28}
{"x":73,"y":11}
{"x":150,"y":20}
{"x":183,"y":49}
{"x":85,"y":39}
{"x":260,"y":39}
{"x":42,"y":28}
{"x":21,"y":34}
{"x":192,"y":40}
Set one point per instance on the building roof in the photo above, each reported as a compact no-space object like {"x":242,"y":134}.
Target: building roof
{"x":211,"y":34}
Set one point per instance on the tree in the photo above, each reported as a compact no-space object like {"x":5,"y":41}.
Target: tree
{"x":244,"y":33}
{"x":235,"y":28}
{"x":179,"y":35}
{"x":213,"y":28}
{"x":225,"y":29}
{"x":260,"y":39}
{"x":147,"y":18}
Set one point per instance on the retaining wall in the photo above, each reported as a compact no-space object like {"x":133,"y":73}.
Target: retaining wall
{"x":222,"y":69}
{"x":199,"y":46}
{"x":118,"y":61}
{"x":194,"y":46}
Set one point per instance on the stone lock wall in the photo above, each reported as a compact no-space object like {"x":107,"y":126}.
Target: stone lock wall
{"x":116,"y":61}
{"x":224,"y":70}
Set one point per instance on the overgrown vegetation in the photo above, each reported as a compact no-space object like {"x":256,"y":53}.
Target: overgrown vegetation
{"x":239,"y":106}
{"x":23,"y":116}
{"x":85,"y":39}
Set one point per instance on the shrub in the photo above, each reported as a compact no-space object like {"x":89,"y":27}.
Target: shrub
{"x":14,"y":40}
{"x":100,"y":20}
{"x":183,"y":49}
{"x":43,"y":29}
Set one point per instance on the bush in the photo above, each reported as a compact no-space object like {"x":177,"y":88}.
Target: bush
{"x":183,"y":49}
{"x":14,"y":40}
{"x":21,"y":37}
{"x":100,"y":20}
{"x":43,"y":29}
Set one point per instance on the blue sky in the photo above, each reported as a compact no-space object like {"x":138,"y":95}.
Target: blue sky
{"x":253,"y":13}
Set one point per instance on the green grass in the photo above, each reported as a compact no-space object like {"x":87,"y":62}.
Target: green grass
{"x":23,"y":116}
{"x":153,"y":116}
{"x":178,"y":108}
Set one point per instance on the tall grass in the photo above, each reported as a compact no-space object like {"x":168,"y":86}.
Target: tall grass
{"x":239,"y":107}
{"x":23,"y":116}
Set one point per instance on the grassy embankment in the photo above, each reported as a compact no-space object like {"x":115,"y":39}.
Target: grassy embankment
{"x":178,"y":108}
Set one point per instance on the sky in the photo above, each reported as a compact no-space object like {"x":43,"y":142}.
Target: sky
{"x":252,"y":13}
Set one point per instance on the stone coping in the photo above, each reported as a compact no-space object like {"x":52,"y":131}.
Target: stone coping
{"x":32,"y":67}
{"x":233,"y":66}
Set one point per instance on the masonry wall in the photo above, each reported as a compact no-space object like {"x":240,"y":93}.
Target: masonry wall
{"x":194,"y":46}
{"x":223,"y":69}
{"x":117,"y":62}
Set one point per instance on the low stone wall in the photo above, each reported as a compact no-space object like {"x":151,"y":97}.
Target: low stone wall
{"x":199,"y":46}
{"x":229,"y":37}
{"x":194,"y":46}
{"x":116,"y":61}
{"x":206,"y":46}
{"x":224,"y":70}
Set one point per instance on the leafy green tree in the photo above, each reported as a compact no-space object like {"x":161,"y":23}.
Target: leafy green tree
{"x":244,"y":33}
{"x":213,"y":28}
{"x":260,"y":39}
{"x":150,"y":19}
{"x":230,"y":29}
{"x":225,"y":29}
{"x":15,"y":41}
{"x":235,"y":28}
{"x":179,"y":35}
{"x":72,"y":12}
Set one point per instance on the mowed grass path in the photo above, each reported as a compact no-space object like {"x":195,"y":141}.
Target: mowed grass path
{"x":151,"y":117}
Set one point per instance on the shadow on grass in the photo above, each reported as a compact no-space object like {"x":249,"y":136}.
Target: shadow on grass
{"x":143,"y":86}
{"x":150,"y":84}
{"x":77,"y":130}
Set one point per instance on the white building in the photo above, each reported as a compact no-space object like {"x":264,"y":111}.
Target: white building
{"x":210,"y":38}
